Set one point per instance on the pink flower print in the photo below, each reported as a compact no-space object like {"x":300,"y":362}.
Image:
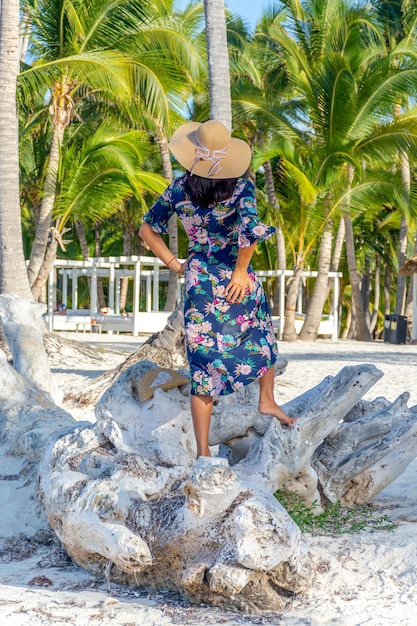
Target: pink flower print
{"x":265,"y":350}
{"x":241,"y":319}
{"x":201,"y":236}
{"x":243,"y":241}
{"x":242,"y":368}
{"x":263,"y":370}
{"x":198,"y":339}
{"x":270,"y":337}
{"x":219,"y":291}
{"x":259,"y":230}
{"x":225,"y":274}
{"x":223,"y":307}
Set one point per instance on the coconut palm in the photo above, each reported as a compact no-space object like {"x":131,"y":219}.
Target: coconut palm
{"x":341,"y":71}
{"x":98,"y":174}
{"x":13,"y":277}
{"x":80,"y":52}
{"x":398,"y":21}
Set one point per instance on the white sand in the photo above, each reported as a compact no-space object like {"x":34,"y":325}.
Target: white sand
{"x":368,"y":578}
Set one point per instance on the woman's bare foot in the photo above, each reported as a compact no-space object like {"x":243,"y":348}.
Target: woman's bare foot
{"x":276,"y":411}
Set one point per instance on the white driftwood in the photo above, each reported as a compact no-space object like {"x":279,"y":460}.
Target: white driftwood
{"x":22,"y":325}
{"x":368,"y":451}
{"x":281,"y":459}
{"x":128,"y":500}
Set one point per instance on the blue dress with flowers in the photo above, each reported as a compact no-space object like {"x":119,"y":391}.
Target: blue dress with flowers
{"x":228,"y":345}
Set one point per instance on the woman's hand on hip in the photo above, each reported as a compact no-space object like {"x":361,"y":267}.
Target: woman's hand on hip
{"x":183,"y":267}
{"x":239,"y":286}
{"x":177,"y":266}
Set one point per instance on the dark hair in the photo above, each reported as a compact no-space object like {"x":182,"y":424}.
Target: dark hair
{"x":205,"y":191}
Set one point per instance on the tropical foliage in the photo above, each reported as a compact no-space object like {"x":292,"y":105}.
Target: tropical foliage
{"x":323,"y":90}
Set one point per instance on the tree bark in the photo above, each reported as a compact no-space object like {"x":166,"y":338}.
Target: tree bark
{"x":362,"y":330}
{"x":127,"y":251}
{"x":172,"y":224}
{"x":279,"y":238}
{"x":97,"y":252}
{"x":289,"y":332}
{"x":316,"y":303}
{"x":377,"y":293}
{"x":402,"y":249}
{"x":61,"y":110}
{"x":218,"y":62}
{"x":13,"y":276}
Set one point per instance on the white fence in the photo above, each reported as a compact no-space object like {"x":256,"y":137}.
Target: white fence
{"x":147,"y":272}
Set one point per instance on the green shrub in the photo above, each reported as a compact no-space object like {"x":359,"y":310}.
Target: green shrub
{"x":335,"y":519}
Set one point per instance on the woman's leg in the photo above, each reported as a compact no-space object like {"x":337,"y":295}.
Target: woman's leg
{"x":267,"y":404}
{"x":201,"y":408}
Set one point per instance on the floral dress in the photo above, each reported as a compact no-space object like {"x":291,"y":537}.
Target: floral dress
{"x":228,"y":345}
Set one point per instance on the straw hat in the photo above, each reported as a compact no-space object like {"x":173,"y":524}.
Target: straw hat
{"x":207,"y":150}
{"x":159,"y":378}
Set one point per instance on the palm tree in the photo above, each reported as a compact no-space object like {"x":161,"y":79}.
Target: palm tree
{"x":70,"y":59}
{"x":98,"y":174}
{"x":398,"y":20}
{"x":13,"y":277}
{"x":338,"y":66}
{"x":80,"y":55}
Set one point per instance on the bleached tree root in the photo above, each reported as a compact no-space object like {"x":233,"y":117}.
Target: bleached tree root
{"x":128,"y":500}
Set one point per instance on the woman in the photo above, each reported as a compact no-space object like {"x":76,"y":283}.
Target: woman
{"x":229,"y":335}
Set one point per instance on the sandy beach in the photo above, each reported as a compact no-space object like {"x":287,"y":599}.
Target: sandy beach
{"x":367,"y":578}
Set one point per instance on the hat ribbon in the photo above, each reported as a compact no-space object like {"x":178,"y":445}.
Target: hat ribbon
{"x":205,"y":154}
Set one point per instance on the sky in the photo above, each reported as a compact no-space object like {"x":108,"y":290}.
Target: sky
{"x":250,"y":10}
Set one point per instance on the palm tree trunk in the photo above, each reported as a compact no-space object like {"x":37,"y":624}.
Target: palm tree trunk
{"x":377,"y":292}
{"x":218,"y":62}
{"x":172,"y":224}
{"x":127,"y":250}
{"x":348,"y":324}
{"x":280,"y":241}
{"x":337,"y":253}
{"x":365,"y":289}
{"x":289,"y":333}
{"x":402,"y":253}
{"x":13,"y":276}
{"x":37,"y":254}
{"x":61,"y":109}
{"x":362,"y":330}
{"x":387,"y":291}
{"x":24,"y":36}
{"x":79,"y":227}
{"x":338,"y":246}
{"x":410,"y":294}
{"x":315,"y":306}
{"x":274,"y":202}
{"x":97,"y":252}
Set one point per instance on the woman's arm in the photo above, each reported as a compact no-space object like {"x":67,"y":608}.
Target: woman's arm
{"x":160,"y":249}
{"x":240,"y":281}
